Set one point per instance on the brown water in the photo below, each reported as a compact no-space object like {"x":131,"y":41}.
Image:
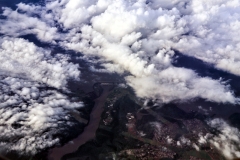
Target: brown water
{"x":88,"y":133}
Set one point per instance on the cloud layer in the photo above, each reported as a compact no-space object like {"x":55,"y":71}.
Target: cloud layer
{"x":33,"y":111}
{"x":139,"y":37}
{"x":31,"y":115}
{"x":20,"y":57}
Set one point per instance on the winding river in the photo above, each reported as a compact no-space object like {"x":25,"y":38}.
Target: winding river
{"x":89,"y":131}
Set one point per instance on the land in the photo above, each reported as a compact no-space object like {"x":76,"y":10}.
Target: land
{"x":115,"y":124}
{"x":130,"y":129}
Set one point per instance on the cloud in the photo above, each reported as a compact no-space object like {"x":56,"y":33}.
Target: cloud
{"x":226,"y":141}
{"x":22,"y":58}
{"x":138,"y":37}
{"x":212,"y":38}
{"x":179,"y":83}
{"x":32,"y":116}
{"x":21,"y":24}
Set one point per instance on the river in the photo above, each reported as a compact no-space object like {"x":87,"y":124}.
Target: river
{"x":89,"y":131}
